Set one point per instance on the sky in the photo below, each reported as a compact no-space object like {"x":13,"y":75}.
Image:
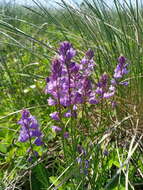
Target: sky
{"x":29,"y":2}
{"x":50,"y":2}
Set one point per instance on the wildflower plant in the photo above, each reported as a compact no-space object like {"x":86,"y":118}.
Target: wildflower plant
{"x":72,"y":89}
{"x":30,"y":130}
{"x":70,"y":83}
{"x":91,"y":128}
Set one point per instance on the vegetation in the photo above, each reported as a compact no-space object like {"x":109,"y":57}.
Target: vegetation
{"x":97,"y":145}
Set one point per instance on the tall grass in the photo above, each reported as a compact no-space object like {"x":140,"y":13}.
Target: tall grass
{"x":29,"y":38}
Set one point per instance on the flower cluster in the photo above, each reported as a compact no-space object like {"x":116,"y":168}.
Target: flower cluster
{"x":120,"y":71}
{"x":70,"y":82}
{"x":121,"y":68}
{"x":29,"y":128}
{"x":82,"y":161}
{"x":106,"y":88}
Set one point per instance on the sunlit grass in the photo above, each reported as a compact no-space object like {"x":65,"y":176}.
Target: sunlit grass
{"x":29,"y":38}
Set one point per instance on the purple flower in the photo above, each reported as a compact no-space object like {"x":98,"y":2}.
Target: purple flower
{"x":79,"y":160}
{"x":99,"y":91}
{"x":51,"y":102}
{"x":56,"y":128}
{"x":33,"y":124}
{"x":31,"y":157}
{"x":23,"y":137}
{"x":103,"y":81}
{"x":124,"y":83}
{"x":64,"y":47}
{"x":106,"y":153}
{"x":70,"y":54}
{"x":56,"y":68}
{"x":68,"y":114}
{"x":86,"y":164}
{"x":66,"y":52}
{"x":90,"y":54}
{"x":80,"y":149}
{"x":24,"y":114}
{"x":82,"y":161}
{"x":74,"y":67}
{"x":29,"y":126}
{"x":74,"y":107}
{"x":121,"y":68}
{"x":121,"y":60}
{"x":47,"y":79}
{"x":38,"y":141}
{"x":108,"y":94}
{"x":87,"y":64}
{"x":113,"y":82}
{"x":112,"y":88}
{"x":55,"y":116}
{"x":65,"y":101}
{"x":35,"y":133}
{"x":66,"y":135}
{"x":113,"y":104}
{"x":103,"y":89}
{"x":118,"y":73}
{"x":84,"y":61}
{"x":78,"y":99}
{"x":93,"y":101}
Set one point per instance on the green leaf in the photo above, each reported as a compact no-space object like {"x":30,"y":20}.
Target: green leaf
{"x":3,"y":148}
{"x":56,"y":182}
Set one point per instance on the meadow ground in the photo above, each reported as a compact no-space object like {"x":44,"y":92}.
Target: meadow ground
{"x":87,"y":61}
